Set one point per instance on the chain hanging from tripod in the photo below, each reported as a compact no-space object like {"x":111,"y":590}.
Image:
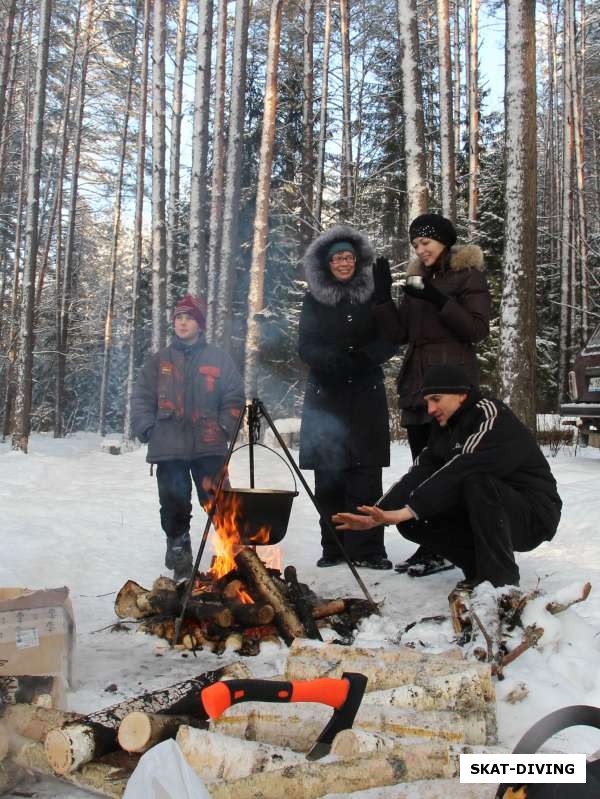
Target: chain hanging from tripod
{"x":254,"y":421}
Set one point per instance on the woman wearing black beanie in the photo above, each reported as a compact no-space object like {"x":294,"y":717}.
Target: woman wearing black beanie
{"x":445,"y":310}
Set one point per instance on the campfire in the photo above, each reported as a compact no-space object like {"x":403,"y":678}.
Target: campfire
{"x":243,"y":600}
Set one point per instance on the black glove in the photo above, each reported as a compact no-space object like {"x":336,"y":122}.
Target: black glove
{"x":382,"y":279}
{"x":429,"y":293}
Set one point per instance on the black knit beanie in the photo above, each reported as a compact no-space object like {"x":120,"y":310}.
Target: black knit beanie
{"x":445,"y":379}
{"x":433,"y":226}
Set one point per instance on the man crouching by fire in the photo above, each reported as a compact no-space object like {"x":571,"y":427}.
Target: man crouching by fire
{"x":478,"y":492}
{"x":185,"y":405}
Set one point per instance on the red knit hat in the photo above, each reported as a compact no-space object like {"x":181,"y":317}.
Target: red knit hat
{"x":193,"y":306}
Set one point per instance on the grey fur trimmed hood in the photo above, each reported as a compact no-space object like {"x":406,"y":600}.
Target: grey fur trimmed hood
{"x":322,"y":284}
{"x":462,"y":256}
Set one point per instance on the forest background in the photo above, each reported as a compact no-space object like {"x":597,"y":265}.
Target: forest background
{"x":154,"y":147}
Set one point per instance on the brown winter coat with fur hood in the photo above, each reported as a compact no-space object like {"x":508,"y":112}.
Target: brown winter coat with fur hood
{"x":438,"y":336}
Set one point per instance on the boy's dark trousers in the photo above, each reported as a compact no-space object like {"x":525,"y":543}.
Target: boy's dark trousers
{"x":174,"y":479}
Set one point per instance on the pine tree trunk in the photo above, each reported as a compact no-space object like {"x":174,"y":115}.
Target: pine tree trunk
{"x":229,"y":244}
{"x":159,"y":147}
{"x":517,"y":319}
{"x":197,"y":282}
{"x":67,"y":275}
{"x":218,"y":168}
{"x":114,"y":250}
{"x":474,"y":113}
{"x":446,"y":113}
{"x":22,"y":410}
{"x":320,"y":176}
{"x":138,"y":225}
{"x":261,"y":219}
{"x":308,"y":165}
{"x":414,"y":147}
{"x":346,"y":198}
{"x":176,"y":117}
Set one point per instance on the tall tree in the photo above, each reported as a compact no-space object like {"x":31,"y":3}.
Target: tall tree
{"x":235,"y":134}
{"x":138,"y":224}
{"x":448,"y":172}
{"x":114,"y":247}
{"x":414,"y":147}
{"x":474,"y":115}
{"x":218,"y":168}
{"x":159,"y":150}
{"x":198,"y":197}
{"x":320,"y":173}
{"x":347,"y":164}
{"x":176,"y":118}
{"x":20,"y":438}
{"x":517,"y":315}
{"x":261,"y":219}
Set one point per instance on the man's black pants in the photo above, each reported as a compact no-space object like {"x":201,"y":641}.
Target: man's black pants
{"x":339,"y":490}
{"x":480,"y":535}
{"x":174,"y":480}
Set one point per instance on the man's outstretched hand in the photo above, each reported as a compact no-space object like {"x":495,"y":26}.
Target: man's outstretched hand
{"x":370,"y":516}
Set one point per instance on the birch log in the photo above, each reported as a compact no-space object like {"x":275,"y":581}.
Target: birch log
{"x":70,"y":746}
{"x":298,"y":725}
{"x":312,"y":780}
{"x":383,"y":668}
{"x":214,"y":756}
{"x":106,"y":778}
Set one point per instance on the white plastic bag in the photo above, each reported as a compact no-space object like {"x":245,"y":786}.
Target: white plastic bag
{"x":163,"y":773}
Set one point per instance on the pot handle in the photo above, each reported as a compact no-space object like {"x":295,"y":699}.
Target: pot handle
{"x":281,"y":458}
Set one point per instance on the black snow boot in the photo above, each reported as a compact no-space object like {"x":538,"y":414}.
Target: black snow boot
{"x":179,"y":556}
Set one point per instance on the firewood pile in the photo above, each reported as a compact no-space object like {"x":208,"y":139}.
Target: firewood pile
{"x":490,"y":622}
{"x":248,"y":606}
{"x":421,"y":711}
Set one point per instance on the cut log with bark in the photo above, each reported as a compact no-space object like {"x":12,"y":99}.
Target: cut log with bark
{"x":312,"y":780}
{"x":384,"y":668}
{"x":214,"y":756}
{"x":297,"y":726}
{"x":140,"y":731}
{"x":262,"y":586}
{"x":107,"y":777}
{"x":32,"y":721}
{"x":31,"y":689}
{"x":70,"y":746}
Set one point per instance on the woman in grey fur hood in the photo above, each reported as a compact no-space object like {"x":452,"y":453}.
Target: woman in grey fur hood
{"x":344,"y":435}
{"x":445,"y":311}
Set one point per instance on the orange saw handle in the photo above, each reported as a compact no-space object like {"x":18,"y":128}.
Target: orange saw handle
{"x":216,"y":698}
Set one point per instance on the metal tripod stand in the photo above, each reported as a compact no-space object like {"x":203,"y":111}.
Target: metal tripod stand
{"x":254,"y":410}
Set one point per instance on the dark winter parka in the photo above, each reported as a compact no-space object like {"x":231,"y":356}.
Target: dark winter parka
{"x":345,"y":417}
{"x":439,"y":336}
{"x":482,"y":437}
{"x":186,"y":401}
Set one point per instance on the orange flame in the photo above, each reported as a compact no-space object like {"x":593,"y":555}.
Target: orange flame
{"x":227,"y":522}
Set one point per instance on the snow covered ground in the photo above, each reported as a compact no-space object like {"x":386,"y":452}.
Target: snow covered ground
{"x":75,"y":515}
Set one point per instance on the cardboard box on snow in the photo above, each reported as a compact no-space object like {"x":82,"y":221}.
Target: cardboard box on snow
{"x":37,"y":633}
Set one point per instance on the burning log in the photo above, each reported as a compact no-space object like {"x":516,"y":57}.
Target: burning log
{"x":298,"y":597}
{"x":217,"y":757}
{"x":70,"y":746}
{"x":251,"y":615}
{"x":263,"y":586}
{"x":311,"y":780}
{"x":297,"y":726}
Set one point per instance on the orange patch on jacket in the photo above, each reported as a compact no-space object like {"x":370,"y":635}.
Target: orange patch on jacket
{"x":210,"y":373}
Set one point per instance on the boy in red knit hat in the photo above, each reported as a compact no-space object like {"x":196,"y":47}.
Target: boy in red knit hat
{"x":185,"y":405}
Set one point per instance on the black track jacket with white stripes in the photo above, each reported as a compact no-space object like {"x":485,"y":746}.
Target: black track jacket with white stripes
{"x":482,"y":437}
